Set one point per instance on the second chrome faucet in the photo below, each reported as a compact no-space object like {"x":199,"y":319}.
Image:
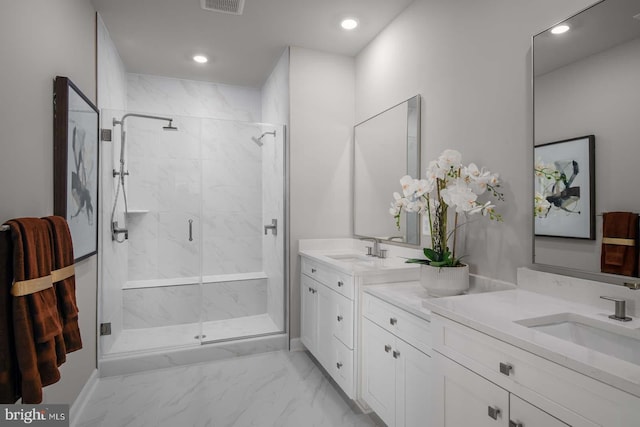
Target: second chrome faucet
{"x":375,"y":250}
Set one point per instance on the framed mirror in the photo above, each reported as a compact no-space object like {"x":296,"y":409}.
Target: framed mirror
{"x":386,"y":147}
{"x":586,"y":82}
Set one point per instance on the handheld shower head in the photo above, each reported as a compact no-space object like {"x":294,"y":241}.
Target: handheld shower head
{"x":170,"y":126}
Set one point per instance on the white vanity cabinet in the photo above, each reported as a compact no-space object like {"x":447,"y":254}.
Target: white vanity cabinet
{"x":327,"y":321}
{"x":479,"y":380}
{"x":467,"y":399}
{"x":395,"y":374}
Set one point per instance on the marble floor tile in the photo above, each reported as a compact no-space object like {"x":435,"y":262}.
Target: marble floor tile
{"x":279,"y":389}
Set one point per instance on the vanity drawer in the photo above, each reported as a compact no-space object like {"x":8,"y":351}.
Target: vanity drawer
{"x":341,"y":367}
{"x":342,"y":319}
{"x":556,"y":389}
{"x":405,"y":326}
{"x":336,"y":280}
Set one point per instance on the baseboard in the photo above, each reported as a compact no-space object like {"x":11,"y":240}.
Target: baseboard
{"x":295,"y":344}
{"x":82,"y":399}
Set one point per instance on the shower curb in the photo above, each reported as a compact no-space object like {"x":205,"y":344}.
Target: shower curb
{"x":140,"y":362}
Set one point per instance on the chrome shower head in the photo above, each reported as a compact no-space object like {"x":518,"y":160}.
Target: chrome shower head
{"x":259,"y":139}
{"x":170,"y":126}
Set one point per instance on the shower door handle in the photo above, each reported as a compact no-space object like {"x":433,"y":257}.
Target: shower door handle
{"x":191,"y":230}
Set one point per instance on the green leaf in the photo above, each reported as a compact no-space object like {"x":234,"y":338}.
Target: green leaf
{"x":432,"y":255}
{"x":439,"y":264}
{"x":417,"y":261}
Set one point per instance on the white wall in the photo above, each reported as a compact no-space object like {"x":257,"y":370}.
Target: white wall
{"x":599,"y":95}
{"x":322,"y":98}
{"x":39,"y":40}
{"x":471,"y":62}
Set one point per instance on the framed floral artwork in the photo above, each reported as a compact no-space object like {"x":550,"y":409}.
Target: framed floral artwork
{"x":75,"y":165}
{"x":564,"y":200}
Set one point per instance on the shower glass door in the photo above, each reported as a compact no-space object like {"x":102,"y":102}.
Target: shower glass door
{"x":205,"y":256}
{"x":242,"y":230}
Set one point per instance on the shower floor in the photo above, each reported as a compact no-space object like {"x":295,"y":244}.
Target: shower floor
{"x":131,"y":340}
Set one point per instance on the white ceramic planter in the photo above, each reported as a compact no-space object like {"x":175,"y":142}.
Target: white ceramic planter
{"x":444,"y":281}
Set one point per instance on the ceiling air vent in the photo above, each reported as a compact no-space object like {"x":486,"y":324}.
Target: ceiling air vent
{"x":225,"y":6}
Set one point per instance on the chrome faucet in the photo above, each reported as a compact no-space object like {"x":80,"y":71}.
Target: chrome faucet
{"x":621,"y":308}
{"x":375,"y":251}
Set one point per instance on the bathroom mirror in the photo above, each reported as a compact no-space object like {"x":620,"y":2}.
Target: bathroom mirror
{"x":386,"y":147}
{"x":586,"y":81}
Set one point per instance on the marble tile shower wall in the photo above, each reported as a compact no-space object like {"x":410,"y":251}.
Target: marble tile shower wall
{"x":174,"y":305}
{"x":209,"y":165}
{"x":169,"y":166}
{"x":275,"y":109}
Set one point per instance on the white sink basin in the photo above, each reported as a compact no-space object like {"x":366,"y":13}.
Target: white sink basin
{"x":601,"y":336}
{"x":353,"y":259}
{"x":349,"y":257}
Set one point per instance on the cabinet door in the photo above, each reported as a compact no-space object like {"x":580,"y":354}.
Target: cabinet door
{"x":379,"y":371}
{"x":523,"y":414}
{"x":463,"y":398}
{"x":413,"y":398}
{"x":325,"y":348}
{"x":309,"y":313}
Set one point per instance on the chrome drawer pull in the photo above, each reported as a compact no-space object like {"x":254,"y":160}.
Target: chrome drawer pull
{"x":340,"y":283}
{"x":387,"y":348}
{"x":515,"y":424}
{"x":393,"y":320}
{"x":340,"y":318}
{"x":506,"y":368}
{"x":494,"y":412}
{"x":339,"y":365}
{"x":396,"y":354}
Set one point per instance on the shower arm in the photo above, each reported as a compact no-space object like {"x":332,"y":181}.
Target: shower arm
{"x":143,"y":116}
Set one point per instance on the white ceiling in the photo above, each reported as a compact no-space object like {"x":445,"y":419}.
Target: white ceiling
{"x":160,"y":37}
{"x":594,"y":30}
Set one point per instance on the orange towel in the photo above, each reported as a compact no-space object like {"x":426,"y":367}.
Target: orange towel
{"x":8,"y":364}
{"x":39,"y":343}
{"x":620,"y":258}
{"x":62,"y":246}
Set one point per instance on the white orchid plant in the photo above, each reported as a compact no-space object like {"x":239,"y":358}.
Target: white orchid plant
{"x":448,"y":184}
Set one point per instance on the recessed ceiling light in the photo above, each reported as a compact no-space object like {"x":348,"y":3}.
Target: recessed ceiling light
{"x":560,"y":29}
{"x":349,"y":23}
{"x":200,"y":59}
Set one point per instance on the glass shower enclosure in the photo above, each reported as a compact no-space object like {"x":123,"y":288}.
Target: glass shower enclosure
{"x":204,"y":258}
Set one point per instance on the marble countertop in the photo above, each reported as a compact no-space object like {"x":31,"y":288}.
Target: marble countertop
{"x":366,"y":265}
{"x":495,"y":314}
{"x":405,"y":295}
{"x":411,"y":296}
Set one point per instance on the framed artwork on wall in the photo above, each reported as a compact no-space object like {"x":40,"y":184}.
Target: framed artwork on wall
{"x":565,"y":188}
{"x":75,"y":165}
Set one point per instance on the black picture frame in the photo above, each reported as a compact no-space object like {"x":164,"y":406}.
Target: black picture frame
{"x":76,"y":159}
{"x":565,"y":182}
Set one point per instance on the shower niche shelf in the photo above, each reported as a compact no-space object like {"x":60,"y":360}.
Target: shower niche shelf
{"x":137,"y":211}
